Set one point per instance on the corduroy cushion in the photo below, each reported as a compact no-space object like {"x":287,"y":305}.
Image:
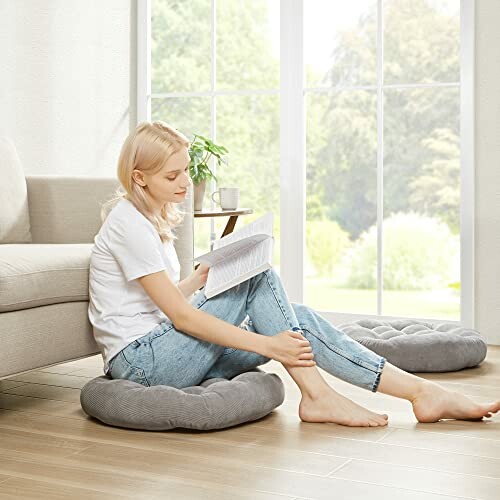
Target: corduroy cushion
{"x":418,"y":346}
{"x":14,"y":215}
{"x":215,"y":404}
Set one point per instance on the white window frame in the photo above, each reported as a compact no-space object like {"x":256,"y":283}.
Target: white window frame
{"x":293,"y":143}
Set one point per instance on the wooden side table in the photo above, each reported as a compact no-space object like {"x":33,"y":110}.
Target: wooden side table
{"x":233,"y":217}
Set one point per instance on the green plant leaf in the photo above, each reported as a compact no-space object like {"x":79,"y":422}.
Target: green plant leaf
{"x":200,"y":151}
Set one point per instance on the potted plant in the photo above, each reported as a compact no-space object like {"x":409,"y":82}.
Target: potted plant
{"x":201,"y":150}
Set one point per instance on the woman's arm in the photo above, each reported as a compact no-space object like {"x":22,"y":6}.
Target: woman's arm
{"x":286,"y":347}
{"x":189,"y":285}
{"x":194,"y":281}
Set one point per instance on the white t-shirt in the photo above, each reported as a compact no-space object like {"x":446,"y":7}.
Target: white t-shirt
{"x":126,"y":247}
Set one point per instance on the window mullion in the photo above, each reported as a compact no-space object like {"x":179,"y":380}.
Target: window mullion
{"x":467,"y":141}
{"x":213,"y":111}
{"x":143,"y":76}
{"x":292,"y":149}
{"x":380,"y":153}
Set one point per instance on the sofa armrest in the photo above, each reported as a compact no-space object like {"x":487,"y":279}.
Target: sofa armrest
{"x":67,"y":209}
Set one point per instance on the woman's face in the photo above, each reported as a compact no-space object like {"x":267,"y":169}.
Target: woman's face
{"x":170,"y":184}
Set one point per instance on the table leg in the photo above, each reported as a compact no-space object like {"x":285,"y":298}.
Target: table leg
{"x":230,"y":225}
{"x":227,"y":230}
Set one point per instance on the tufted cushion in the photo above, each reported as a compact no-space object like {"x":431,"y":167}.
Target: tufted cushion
{"x":417,"y":346}
{"x":215,"y":404}
{"x":14,"y":213}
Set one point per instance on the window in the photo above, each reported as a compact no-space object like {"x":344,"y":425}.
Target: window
{"x":360,"y":149}
{"x":383,"y":141}
{"x":215,"y":72}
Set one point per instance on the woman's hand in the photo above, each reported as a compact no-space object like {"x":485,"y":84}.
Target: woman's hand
{"x":290,"y":348}
{"x":200,"y":275}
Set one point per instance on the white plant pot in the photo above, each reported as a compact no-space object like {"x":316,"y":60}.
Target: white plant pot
{"x":199,"y":194}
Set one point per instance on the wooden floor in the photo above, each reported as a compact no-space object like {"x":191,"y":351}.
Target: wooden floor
{"x":50,"y":449}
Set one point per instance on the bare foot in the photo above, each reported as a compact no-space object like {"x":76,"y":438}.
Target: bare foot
{"x":333,"y":407}
{"x":434,"y":403}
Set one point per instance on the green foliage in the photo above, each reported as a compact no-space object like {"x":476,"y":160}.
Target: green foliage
{"x":244,"y":47}
{"x":180,"y":48}
{"x":248,"y":125}
{"x":180,"y":62}
{"x":436,"y":192}
{"x":201,"y":150}
{"x":421,"y":130}
{"x":420,"y":46}
{"x":325,"y":243}
{"x":419,"y":254}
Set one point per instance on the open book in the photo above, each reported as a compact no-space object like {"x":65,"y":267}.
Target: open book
{"x":239,"y":255}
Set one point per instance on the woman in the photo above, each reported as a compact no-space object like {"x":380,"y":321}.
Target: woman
{"x":152,"y":330}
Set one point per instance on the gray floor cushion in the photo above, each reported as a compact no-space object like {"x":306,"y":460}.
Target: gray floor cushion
{"x":215,"y":404}
{"x":418,"y":346}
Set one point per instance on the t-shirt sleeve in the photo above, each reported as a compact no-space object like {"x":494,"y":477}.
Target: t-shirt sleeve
{"x":136,"y":247}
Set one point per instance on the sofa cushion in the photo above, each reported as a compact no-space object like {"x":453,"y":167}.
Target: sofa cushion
{"x":14,"y":212}
{"x":419,"y":346}
{"x":33,"y":275}
{"x":214,"y":404}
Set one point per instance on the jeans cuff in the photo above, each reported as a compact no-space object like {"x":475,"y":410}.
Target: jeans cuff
{"x":379,"y":374}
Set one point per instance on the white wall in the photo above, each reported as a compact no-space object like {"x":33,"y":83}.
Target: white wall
{"x":487,"y":209}
{"x":67,"y":82}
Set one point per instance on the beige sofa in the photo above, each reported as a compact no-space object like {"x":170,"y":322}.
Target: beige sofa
{"x":47,"y":229}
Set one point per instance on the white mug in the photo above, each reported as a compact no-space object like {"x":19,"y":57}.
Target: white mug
{"x":229,"y":197}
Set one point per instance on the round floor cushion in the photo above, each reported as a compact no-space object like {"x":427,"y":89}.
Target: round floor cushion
{"x":418,"y":346}
{"x":214,"y":404}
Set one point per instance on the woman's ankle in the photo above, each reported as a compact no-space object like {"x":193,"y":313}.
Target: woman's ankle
{"x":424,"y":387}
{"x":400,"y":384}
{"x":309,"y":381}
{"x":316,"y":393}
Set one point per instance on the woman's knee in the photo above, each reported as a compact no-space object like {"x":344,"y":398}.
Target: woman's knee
{"x":271,"y":272}
{"x":302,"y":312}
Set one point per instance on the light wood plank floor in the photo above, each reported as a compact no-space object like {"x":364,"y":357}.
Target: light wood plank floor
{"x":50,"y":449}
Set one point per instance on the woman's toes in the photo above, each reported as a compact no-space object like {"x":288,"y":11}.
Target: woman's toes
{"x":494,"y":407}
{"x":378,"y":422}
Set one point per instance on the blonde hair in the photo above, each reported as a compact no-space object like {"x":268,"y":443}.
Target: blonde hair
{"x":147,"y":149}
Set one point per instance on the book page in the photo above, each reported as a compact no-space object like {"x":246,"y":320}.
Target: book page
{"x":262,"y":225}
{"x":230,"y":250}
{"x":240,"y":267}
{"x":239,"y":255}
{"x":248,"y":235}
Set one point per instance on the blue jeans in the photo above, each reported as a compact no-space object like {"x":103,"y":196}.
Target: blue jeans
{"x":167,"y":356}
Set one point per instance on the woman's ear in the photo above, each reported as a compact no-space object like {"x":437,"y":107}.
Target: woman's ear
{"x":138,"y":177}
